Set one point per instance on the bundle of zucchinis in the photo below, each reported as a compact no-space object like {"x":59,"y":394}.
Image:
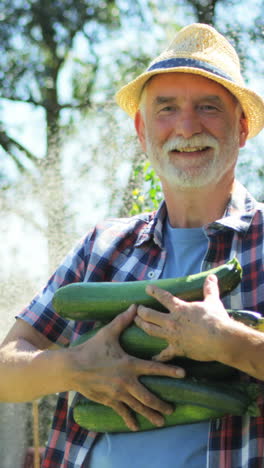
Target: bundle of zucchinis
{"x":196,"y":399}
{"x":104,"y":300}
{"x":194,"y":402}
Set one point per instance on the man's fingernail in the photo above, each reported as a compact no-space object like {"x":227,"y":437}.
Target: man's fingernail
{"x":212,"y":278}
{"x":169,"y":411}
{"x":180,"y":373}
{"x":134,"y":427}
{"x":160,"y":423}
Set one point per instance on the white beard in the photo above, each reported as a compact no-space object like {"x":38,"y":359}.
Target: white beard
{"x":195,"y":172}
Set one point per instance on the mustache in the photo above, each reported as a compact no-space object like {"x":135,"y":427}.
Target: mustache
{"x":196,"y":141}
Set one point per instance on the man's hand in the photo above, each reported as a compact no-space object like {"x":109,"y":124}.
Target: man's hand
{"x":191,"y":329}
{"x":103,"y":372}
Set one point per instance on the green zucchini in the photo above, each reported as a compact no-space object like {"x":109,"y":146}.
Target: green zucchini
{"x":249,"y":318}
{"x":99,"y":418}
{"x":194,"y":401}
{"x":138,"y":343}
{"x":104,"y":300}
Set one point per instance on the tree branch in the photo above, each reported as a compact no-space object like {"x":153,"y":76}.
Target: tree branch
{"x":25,"y":101}
{"x":8,"y":142}
{"x":81,"y":105}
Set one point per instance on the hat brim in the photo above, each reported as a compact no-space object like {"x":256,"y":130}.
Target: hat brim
{"x":128,"y":97}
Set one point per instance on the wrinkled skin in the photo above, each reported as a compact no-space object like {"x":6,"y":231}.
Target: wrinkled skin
{"x":192,"y":329}
{"x":103,"y":372}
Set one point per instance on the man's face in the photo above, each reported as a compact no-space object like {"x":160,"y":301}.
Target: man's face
{"x":191,"y":129}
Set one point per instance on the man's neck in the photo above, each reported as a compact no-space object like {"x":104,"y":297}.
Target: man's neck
{"x":197,"y":207}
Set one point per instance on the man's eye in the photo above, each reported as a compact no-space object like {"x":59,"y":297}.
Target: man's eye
{"x":208,"y":107}
{"x":167,"y":109}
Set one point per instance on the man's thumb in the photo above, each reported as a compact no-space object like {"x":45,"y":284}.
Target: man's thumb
{"x":211,"y":289}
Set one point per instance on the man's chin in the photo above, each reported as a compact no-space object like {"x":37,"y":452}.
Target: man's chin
{"x":187,"y":182}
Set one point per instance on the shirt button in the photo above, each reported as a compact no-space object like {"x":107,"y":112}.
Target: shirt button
{"x":151,"y":274}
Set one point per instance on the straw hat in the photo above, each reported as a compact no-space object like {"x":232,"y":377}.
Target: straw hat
{"x":199,"y":49}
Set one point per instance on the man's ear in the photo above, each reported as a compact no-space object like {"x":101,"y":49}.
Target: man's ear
{"x":140,"y":129}
{"x":243,"y":130}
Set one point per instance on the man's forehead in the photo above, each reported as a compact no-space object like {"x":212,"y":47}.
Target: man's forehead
{"x":166,"y":99}
{"x":180,"y":80}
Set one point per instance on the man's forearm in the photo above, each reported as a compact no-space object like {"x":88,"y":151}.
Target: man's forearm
{"x":28,"y":373}
{"x":243,"y":348}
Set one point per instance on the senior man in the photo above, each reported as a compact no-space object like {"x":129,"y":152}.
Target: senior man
{"x":192,"y":114}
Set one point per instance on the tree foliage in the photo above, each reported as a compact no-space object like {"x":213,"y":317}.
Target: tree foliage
{"x":38,"y":41}
{"x":50,"y":61}
{"x":36,"y":38}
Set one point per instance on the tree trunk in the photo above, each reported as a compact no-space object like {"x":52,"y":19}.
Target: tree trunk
{"x":53,"y":194}
{"x":204,"y":11}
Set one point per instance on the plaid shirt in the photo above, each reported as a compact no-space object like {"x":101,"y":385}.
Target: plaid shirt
{"x":131,"y":249}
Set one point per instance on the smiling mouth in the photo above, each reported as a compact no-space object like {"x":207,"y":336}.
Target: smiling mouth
{"x":191,"y":149}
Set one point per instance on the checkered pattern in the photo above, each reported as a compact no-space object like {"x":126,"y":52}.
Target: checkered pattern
{"x":131,"y":249}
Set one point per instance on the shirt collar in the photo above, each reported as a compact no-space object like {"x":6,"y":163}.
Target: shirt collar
{"x":239,"y":212}
{"x":237,"y":216}
{"x":154,"y":227}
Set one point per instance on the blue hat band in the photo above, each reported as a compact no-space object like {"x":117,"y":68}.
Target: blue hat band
{"x":185,"y":62}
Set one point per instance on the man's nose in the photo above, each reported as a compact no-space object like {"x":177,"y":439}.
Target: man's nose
{"x":188,"y":124}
